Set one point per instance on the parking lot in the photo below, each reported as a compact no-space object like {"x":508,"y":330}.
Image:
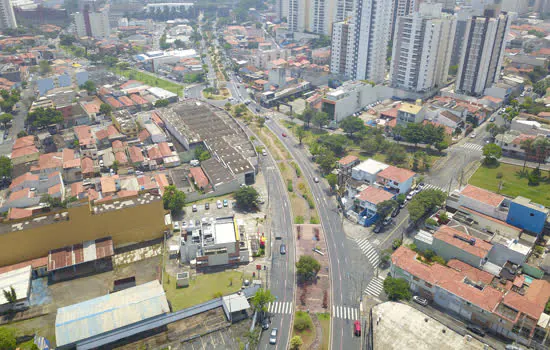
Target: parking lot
{"x":204,"y":214}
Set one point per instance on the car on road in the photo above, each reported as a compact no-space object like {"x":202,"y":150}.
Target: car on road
{"x":207,"y":206}
{"x":273,"y":336}
{"x":492,"y":119}
{"x":283,"y":134}
{"x":395,"y":212}
{"x":316,"y":179}
{"x":194,"y":208}
{"x":377,"y":228}
{"x":265,"y":324}
{"x":410,"y":196}
{"x":219,"y":204}
{"x":476,"y":330}
{"x":387,"y":221}
{"x":282,"y":250}
{"x":473,"y":135}
{"x":357,"y":328}
{"x":513,"y":347}
{"x":225,"y":203}
{"x":402,"y":205}
{"x":420,"y":186}
{"x":420,"y":300}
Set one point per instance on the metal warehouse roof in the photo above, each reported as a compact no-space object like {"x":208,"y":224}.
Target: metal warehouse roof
{"x":96,"y":316}
{"x":80,"y":253}
{"x":19,"y":279}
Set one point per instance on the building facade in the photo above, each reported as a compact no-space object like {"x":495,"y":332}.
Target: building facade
{"x":7,"y":17}
{"x":482,"y":52}
{"x":422,"y":49}
{"x":93,"y":24}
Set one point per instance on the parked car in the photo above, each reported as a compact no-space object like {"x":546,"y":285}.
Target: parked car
{"x":273,"y":337}
{"x":420,"y":186}
{"x":316,"y":179}
{"x":219,"y":204}
{"x":225,"y":203}
{"x":283,"y":134}
{"x":377,"y":228}
{"x":207,"y":206}
{"x":476,"y":330}
{"x":194,"y":208}
{"x":387,"y":221}
{"x":473,"y":135}
{"x":492,"y":119}
{"x":283,"y":249}
{"x":264,"y":152}
{"x":395,"y":212}
{"x":410,"y":196}
{"x":402,"y":205}
{"x":420,"y":300}
{"x":265,"y":324}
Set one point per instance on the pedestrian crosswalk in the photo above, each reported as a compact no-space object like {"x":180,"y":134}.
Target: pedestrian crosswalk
{"x":472,"y":147}
{"x":280,"y":307}
{"x":369,"y":251}
{"x":433,"y":187}
{"x":345,"y":312}
{"x":375,"y":287}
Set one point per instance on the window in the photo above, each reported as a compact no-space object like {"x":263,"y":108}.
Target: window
{"x":429,"y":285}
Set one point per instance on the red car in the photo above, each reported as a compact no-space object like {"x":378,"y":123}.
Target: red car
{"x":284,"y":135}
{"x":357,"y":328}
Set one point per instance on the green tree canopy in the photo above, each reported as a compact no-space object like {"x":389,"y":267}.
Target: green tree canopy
{"x":5,"y":118}
{"x":296,"y":342}
{"x":492,"y":152}
{"x":89,"y":86}
{"x":261,"y":299}
{"x":332,"y":180}
{"x":397,"y":289}
{"x":320,"y":118}
{"x":44,"y":117}
{"x":7,"y":338}
{"x":161,"y":103}
{"x":396,"y":154}
{"x":5,"y":166}
{"x":383,"y":209}
{"x":300,"y":133}
{"x":173,"y":199}
{"x":335,"y":142}
{"x":247,"y":197}
{"x":352,"y":125}
{"x":106,"y":109}
{"x":424,"y":202}
{"x":307,"y":267}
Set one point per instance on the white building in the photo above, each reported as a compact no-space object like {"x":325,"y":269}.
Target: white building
{"x":367,"y":170}
{"x":482,"y":52}
{"x":7,"y":17}
{"x":352,"y":97}
{"x":20,"y":281}
{"x":281,"y":8}
{"x":316,"y":16}
{"x":422,"y":49}
{"x":517,"y":6}
{"x":402,"y":8}
{"x":94,"y":24}
{"x":363,"y":41}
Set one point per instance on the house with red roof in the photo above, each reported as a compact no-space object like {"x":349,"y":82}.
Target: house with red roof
{"x":113,"y":102}
{"x":507,"y":304}
{"x":198,"y":177}
{"x":136,"y":156}
{"x":366,"y":204}
{"x":89,"y":169}
{"x":394,"y":179}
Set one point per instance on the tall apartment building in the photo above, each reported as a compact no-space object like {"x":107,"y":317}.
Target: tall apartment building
{"x":402,"y":8}
{"x":448,"y":5}
{"x":281,"y":8}
{"x":342,"y":48}
{"x":317,"y":16}
{"x":482,"y":52}
{"x":518,"y":6}
{"x":7,"y":17}
{"x":93,"y":23}
{"x":422,"y":48}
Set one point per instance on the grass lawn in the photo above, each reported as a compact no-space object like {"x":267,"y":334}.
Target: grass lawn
{"x":151,"y":80}
{"x":202,"y":288}
{"x":512,"y":184}
{"x":324,"y":320}
{"x":307,"y":335}
{"x":212,"y":96}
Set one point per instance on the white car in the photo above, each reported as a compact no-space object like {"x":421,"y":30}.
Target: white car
{"x":219,"y":204}
{"x":473,"y":135}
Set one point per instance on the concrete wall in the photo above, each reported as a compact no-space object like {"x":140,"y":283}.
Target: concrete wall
{"x":499,"y":254}
{"x":447,"y":252}
{"x":126,"y":226}
{"x":526,"y":218}
{"x":482,"y":208}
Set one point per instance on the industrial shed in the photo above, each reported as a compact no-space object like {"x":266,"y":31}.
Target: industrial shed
{"x":20,"y":280}
{"x":98,"y":316}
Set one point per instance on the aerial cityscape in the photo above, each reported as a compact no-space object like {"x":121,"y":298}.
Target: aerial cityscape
{"x":280,"y":174}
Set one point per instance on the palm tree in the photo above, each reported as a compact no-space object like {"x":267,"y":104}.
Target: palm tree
{"x":10,"y":295}
{"x":528,"y":146}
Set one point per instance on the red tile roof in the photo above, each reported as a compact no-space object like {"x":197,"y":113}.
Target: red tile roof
{"x":87,"y":165}
{"x":77,"y":188}
{"x":198,"y":175}
{"x":23,"y":178}
{"x":84,"y":135}
{"x":50,"y":160}
{"x":126,"y":101}
{"x":154,"y":153}
{"x":91,"y":107}
{"x":396,"y":174}
{"x":144,"y":135}
{"x":24,"y":193}
{"x":24,"y":151}
{"x":348,"y":160}
{"x":54,"y":189}
{"x":121,"y":158}
{"x":482,"y":195}
{"x":534,"y":300}
{"x":113,"y":102}
{"x":470,"y":271}
{"x":135,"y":154}
{"x":165,"y":149}
{"x":23,"y":142}
{"x":117,"y":144}
{"x":112,"y":131}
{"x":449,"y":235}
{"x":138,"y":99}
{"x":15,"y":214}
{"x":101,"y":134}
{"x":374,"y":195}
{"x":35,"y":263}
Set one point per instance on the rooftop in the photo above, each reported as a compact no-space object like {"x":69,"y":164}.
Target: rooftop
{"x":374,"y":195}
{"x":80,"y":253}
{"x":463,"y":241}
{"x":348,"y":160}
{"x":400,"y":326}
{"x":112,"y":311}
{"x":371,"y":166}
{"x":19,"y":279}
{"x":481,"y":195}
{"x":396,"y":174}
{"x":410,"y":108}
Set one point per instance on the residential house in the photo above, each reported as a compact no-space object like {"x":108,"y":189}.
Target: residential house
{"x":24,"y":151}
{"x":366,"y":204}
{"x":136,"y":156}
{"x":410,"y":113}
{"x":396,"y":180}
{"x":367,"y":170}
{"x":89,"y":169}
{"x":199,"y":178}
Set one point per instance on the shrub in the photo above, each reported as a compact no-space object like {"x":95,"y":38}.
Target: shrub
{"x":302,"y":321}
{"x":217,"y":295}
{"x":299,"y":220}
{"x":439,"y":260}
{"x":397,"y":243}
{"x":314,"y":220}
{"x":325,"y":299}
{"x":499,"y":175}
{"x":429,"y":254}
{"x":539,"y":250}
{"x":430,"y":222}
{"x":289,"y":186}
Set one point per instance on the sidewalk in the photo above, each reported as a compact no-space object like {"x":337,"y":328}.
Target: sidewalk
{"x":519,"y":162}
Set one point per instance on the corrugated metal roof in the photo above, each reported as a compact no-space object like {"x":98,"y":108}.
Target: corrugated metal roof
{"x":96,"y":316}
{"x":80,"y":253}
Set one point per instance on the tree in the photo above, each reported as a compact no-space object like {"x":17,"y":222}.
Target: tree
{"x":7,"y":338}
{"x":307,"y":268}
{"x":332,"y":180}
{"x":161,"y":103}
{"x":247,"y":197}
{"x":5,"y":118}
{"x":306,"y":116}
{"x":528,"y":146}
{"x":335,"y":142}
{"x":261,"y":299}
{"x":105,"y":109}
{"x":43,"y":117}
{"x":440,"y":146}
{"x":397,"y":289}
{"x":115,"y":166}
{"x":45,"y":67}
{"x":369,"y":146}
{"x":492,"y":152}
{"x":352,"y":125}
{"x":424,"y":202}
{"x":173,"y":199}
{"x":10,"y":295}
{"x":22,"y":133}
{"x":89,"y":86}
{"x":414,"y":133}
{"x":253,"y":338}
{"x":5,"y":167}
{"x":396,"y":154}
{"x":326,"y":161}
{"x":320,"y":118}
{"x":296,"y":342}
{"x":542,"y":147}
{"x":300,"y":133}
{"x":383,"y":209}
{"x":227,"y":106}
